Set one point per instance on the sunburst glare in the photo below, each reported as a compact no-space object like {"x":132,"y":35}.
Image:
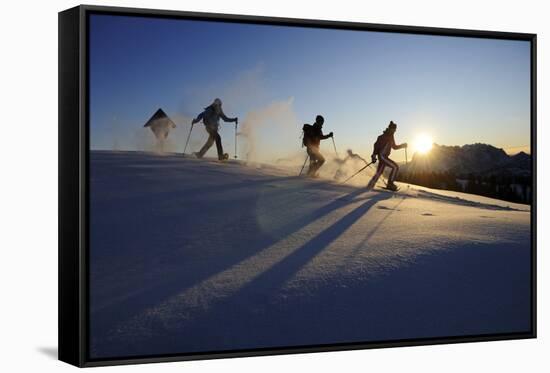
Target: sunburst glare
{"x":423,"y":143}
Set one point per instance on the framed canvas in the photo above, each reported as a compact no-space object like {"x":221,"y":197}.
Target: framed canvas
{"x":236,"y":186}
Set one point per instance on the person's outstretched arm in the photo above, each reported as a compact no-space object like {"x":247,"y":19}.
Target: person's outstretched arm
{"x":361,"y":158}
{"x":324,"y":137}
{"x":397,"y":147}
{"x":198,"y":118}
{"x":226,"y":119}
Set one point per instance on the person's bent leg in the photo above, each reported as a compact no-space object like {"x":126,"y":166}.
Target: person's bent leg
{"x":320,"y":158}
{"x":219,"y":146}
{"x":394,"y":169}
{"x":317,"y":158}
{"x":376,"y":175}
{"x":320,"y":162}
{"x":312,"y":161}
{"x":206,"y":146}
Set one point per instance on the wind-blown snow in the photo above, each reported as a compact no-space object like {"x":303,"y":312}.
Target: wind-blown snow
{"x":191,"y":255}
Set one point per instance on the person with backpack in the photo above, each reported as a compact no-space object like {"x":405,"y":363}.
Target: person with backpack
{"x":382,"y":149}
{"x":313,"y":134}
{"x":211,"y":120}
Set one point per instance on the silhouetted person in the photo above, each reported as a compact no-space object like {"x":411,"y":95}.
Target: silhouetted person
{"x":211,"y":119}
{"x":382,"y":149}
{"x":350,"y":157}
{"x":313,"y":134}
{"x":160,"y":124}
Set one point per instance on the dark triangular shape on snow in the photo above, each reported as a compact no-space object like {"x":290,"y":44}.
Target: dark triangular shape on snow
{"x":158,"y":116}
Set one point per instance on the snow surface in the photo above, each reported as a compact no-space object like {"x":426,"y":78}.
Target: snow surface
{"x":192,"y":255}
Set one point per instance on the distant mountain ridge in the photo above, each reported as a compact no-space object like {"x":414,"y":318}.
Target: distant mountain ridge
{"x":469,"y":159}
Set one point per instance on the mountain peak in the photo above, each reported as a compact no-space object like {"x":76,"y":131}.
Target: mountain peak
{"x":521,"y":154}
{"x":469,"y":158}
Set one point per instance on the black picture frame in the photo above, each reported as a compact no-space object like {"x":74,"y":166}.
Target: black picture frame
{"x":74,"y":181}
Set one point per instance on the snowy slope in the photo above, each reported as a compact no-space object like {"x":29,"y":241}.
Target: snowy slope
{"x":191,"y":255}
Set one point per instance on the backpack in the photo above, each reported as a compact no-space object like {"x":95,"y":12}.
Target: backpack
{"x":307,"y":131}
{"x":380,"y":143}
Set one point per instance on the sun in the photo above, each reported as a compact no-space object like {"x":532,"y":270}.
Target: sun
{"x":423,"y":143}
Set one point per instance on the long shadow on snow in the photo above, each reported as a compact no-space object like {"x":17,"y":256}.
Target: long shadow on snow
{"x":257,"y":291}
{"x":107,"y":318}
{"x":283,"y":271}
{"x":361,"y":245}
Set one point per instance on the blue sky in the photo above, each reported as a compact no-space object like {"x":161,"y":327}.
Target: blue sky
{"x":458,"y":90}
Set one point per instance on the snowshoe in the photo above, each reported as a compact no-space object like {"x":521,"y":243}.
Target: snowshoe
{"x":392,"y":187}
{"x":224,"y":157}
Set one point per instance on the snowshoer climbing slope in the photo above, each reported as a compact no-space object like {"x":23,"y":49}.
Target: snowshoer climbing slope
{"x":313,"y":134}
{"x":382,"y":149}
{"x":211,"y":118}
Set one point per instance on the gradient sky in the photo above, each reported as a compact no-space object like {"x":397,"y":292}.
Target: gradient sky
{"x":458,"y":90}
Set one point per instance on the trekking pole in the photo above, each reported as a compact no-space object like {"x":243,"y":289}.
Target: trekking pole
{"x":307,"y":157}
{"x":236,"y":123}
{"x":334,"y":144}
{"x":188,"y":137}
{"x":349,"y":178}
{"x":406,"y":163}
